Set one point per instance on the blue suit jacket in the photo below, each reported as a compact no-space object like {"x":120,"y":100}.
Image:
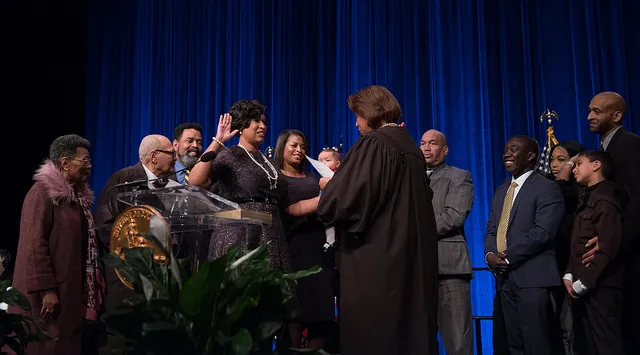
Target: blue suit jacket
{"x":535,"y":216}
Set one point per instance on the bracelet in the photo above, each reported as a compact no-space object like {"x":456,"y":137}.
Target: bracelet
{"x":49,"y":291}
{"x":218,"y":141}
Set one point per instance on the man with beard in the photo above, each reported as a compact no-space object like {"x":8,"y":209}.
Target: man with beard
{"x":605,"y":118}
{"x":519,"y":245}
{"x":187,"y":142}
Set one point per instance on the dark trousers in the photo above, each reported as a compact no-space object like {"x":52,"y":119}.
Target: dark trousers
{"x":454,"y":315}
{"x":631,"y":314}
{"x":526,"y":318}
{"x":598,"y":322}
{"x":562,"y":322}
{"x":500,"y":341}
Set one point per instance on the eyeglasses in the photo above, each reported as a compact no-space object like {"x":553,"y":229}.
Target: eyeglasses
{"x":170,"y":152}
{"x":85,"y":161}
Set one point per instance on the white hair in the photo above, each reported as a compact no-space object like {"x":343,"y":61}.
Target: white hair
{"x":148,"y":145}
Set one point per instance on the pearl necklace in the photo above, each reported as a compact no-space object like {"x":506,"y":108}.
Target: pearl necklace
{"x":273,"y":180}
{"x":388,"y":124}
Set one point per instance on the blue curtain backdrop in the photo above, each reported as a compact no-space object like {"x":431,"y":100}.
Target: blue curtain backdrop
{"x":478,"y":70}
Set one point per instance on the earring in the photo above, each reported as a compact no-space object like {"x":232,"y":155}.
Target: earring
{"x":240,"y":133}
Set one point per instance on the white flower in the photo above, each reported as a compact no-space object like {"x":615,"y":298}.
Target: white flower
{"x":3,"y":306}
{"x":8,"y":288}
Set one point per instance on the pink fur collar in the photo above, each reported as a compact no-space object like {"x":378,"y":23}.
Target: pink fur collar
{"x":59,"y":189}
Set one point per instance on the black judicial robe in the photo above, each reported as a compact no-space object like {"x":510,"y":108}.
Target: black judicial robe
{"x":380,"y":201}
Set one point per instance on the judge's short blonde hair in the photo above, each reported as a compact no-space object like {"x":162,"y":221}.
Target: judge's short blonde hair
{"x":376,"y":104}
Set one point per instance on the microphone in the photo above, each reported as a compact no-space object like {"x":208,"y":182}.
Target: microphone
{"x":205,"y":158}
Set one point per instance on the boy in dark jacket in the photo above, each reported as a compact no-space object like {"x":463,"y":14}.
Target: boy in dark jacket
{"x":597,"y":289}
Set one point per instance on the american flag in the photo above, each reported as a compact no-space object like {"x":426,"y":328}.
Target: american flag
{"x":543,"y":164}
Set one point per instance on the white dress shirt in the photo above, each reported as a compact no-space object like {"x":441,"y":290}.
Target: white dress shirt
{"x":152,"y":177}
{"x":607,"y":139}
{"x":520,"y":181}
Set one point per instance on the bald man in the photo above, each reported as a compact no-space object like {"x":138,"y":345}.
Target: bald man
{"x":156,"y":159}
{"x":605,"y":118}
{"x":452,"y":201}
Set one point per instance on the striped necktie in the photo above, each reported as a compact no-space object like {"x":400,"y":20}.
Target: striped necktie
{"x":186,"y":176}
{"x":501,"y":238}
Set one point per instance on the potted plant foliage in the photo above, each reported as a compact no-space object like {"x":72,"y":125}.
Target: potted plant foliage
{"x":232,"y":305}
{"x":16,"y":330}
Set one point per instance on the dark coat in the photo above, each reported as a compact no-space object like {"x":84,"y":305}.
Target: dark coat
{"x":116,"y":290}
{"x":599,"y":214}
{"x":534,"y":220}
{"x":107,"y":209}
{"x":51,"y":253}
{"x":626,"y":173}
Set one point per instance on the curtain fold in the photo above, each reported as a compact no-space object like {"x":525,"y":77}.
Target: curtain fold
{"x":478,"y":70}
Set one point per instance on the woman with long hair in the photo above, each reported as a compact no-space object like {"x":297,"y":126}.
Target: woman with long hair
{"x":561,"y":165}
{"x":305,"y":237}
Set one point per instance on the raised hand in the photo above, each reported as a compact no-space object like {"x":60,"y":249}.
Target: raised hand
{"x":224,"y":128}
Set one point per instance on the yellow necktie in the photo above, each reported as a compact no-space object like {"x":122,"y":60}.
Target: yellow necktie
{"x":501,"y":241}
{"x":186,"y":175}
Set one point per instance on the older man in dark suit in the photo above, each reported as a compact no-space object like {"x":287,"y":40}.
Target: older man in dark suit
{"x":605,"y":118}
{"x":452,"y":201}
{"x":157,"y":159}
{"x":519,"y":244}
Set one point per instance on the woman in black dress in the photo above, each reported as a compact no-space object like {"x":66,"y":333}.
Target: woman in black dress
{"x":306,"y":237}
{"x":561,"y":165}
{"x":244,"y":175}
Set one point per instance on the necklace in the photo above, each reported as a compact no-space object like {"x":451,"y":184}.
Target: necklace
{"x":273,"y":180}
{"x":388,"y":124}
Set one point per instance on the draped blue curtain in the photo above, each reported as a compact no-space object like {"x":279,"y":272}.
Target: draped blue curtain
{"x":478,"y":70}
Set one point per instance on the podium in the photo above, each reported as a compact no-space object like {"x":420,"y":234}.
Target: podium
{"x":181,"y":212}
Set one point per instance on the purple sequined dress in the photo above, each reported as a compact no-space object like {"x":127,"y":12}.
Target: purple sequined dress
{"x":238,"y":178}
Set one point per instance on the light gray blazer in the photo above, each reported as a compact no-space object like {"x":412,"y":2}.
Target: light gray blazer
{"x":452,"y":201}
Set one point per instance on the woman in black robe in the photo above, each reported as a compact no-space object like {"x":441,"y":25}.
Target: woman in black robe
{"x":380,"y":200}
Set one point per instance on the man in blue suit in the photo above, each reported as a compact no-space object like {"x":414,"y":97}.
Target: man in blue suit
{"x":519,"y":245}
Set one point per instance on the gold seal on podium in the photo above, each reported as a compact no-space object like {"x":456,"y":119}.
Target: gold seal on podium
{"x":129,"y":230}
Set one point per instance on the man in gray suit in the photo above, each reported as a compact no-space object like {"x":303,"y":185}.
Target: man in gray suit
{"x":452,"y":201}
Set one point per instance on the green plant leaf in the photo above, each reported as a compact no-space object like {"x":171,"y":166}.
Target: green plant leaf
{"x":302,"y":273}
{"x":4,"y":284}
{"x":13,"y":297}
{"x":250,"y":256}
{"x":241,"y":342}
{"x":202,"y":286}
{"x":269,"y":329}
{"x":147,"y":287}
{"x":175,"y":271}
{"x":14,"y":345}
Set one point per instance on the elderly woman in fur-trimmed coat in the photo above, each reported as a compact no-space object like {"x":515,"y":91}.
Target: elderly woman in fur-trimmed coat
{"x":57,"y":264}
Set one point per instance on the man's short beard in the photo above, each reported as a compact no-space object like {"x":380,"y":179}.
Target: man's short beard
{"x":188,"y":161}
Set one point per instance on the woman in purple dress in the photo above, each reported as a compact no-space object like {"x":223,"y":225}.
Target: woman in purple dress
{"x":244,"y":175}
{"x":306,"y":238}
